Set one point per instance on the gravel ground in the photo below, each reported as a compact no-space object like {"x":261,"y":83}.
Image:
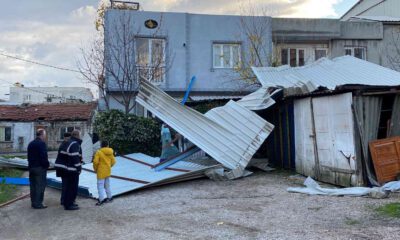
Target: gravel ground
{"x":256,"y":207}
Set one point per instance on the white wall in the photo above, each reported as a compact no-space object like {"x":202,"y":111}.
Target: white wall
{"x":39,"y":94}
{"x":18,"y":129}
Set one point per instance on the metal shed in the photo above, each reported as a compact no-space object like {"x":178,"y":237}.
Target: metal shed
{"x":339,"y":106}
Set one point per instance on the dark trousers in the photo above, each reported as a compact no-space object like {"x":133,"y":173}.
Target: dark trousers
{"x":63,"y":181}
{"x":38,"y":182}
{"x":70,"y":182}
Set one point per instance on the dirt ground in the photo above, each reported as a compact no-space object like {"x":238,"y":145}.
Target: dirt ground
{"x":256,"y":207}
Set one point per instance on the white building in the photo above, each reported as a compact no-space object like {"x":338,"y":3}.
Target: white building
{"x":34,"y":95}
{"x":376,"y":8}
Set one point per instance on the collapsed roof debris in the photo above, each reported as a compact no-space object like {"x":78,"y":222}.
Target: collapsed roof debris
{"x":136,"y":171}
{"x":230,"y":134}
{"x":327,"y":73}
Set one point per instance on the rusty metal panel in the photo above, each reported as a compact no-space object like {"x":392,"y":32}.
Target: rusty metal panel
{"x":386,"y":158}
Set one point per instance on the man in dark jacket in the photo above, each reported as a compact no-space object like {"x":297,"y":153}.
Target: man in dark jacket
{"x":38,"y":164}
{"x":69,"y":164}
{"x":60,"y":172}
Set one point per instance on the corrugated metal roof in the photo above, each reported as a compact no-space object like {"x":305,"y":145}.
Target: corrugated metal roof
{"x":258,"y":100}
{"x":377,"y":18}
{"x":218,"y":97}
{"x":328,"y":73}
{"x":217,"y":132}
{"x":135,"y":171}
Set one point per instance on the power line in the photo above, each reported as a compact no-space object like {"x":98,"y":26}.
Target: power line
{"x":38,"y":63}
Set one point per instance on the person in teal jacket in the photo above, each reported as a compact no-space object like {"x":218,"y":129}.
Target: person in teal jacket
{"x":168,"y":147}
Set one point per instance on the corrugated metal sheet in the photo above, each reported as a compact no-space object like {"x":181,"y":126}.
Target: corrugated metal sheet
{"x":329,"y":73}
{"x":216,"y":134}
{"x":135,"y":171}
{"x":258,"y":100}
{"x":87,"y":148}
{"x":219,"y":97}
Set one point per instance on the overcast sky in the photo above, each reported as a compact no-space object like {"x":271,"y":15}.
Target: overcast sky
{"x":53,"y":31}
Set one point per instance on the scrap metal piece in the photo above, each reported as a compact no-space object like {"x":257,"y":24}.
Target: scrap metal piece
{"x":230,"y":134}
{"x":87,"y":149}
{"x":257,"y":100}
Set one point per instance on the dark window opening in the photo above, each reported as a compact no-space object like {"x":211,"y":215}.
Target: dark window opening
{"x":284,"y":56}
{"x":386,"y":115}
{"x":5,"y":134}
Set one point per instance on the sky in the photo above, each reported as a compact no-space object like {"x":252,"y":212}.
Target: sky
{"x":53,"y":31}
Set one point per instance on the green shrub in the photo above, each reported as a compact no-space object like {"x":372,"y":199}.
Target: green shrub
{"x":128,"y":133}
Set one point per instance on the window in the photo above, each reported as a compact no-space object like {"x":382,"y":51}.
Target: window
{"x":67,"y":129}
{"x":320,"y":53}
{"x":292,"y":56}
{"x":150,"y":59}
{"x":27,"y":97}
{"x":226,"y":55}
{"x":358,"y":52}
{"x":5,"y":134}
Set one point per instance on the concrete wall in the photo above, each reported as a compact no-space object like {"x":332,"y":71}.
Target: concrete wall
{"x":40,"y":94}
{"x":360,"y":7}
{"x":19,"y":130}
{"x":189,"y":45}
{"x":26,"y":130}
{"x":388,"y":8}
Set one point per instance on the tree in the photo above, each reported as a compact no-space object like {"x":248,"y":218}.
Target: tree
{"x":118,"y":63}
{"x":256,"y":30}
{"x":392,"y":50}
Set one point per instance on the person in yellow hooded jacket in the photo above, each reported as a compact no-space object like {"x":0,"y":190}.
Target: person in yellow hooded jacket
{"x":102,"y":163}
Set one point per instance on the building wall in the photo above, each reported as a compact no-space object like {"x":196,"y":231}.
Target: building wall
{"x":375,"y":8}
{"x":189,"y":46}
{"x":360,"y":7}
{"x":25,"y":131}
{"x":373,"y":53}
{"x":21,"y":133}
{"x":20,"y":95}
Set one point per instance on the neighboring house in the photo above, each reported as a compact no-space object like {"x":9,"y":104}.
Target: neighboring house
{"x":36,"y":95}
{"x":381,"y":8}
{"x":209,"y":46}
{"x":19,"y":123}
{"x":206,"y":46}
{"x":387,"y":13}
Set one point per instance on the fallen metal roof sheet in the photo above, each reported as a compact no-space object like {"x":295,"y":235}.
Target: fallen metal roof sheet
{"x":211,"y":133}
{"x":258,"y":100}
{"x":217,"y":97}
{"x":328,"y":73}
{"x":136,"y":171}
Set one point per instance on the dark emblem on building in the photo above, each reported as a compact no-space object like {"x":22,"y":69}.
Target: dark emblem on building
{"x":151,"y":23}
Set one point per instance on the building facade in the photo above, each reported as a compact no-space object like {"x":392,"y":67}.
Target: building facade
{"x":18,"y":124}
{"x":37,"y":95}
{"x":208,"y":47}
{"x":211,"y":46}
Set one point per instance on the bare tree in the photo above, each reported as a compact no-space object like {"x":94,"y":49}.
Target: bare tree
{"x":392,"y":51}
{"x":255,"y":27}
{"x":92,"y":67}
{"x":122,"y":60}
